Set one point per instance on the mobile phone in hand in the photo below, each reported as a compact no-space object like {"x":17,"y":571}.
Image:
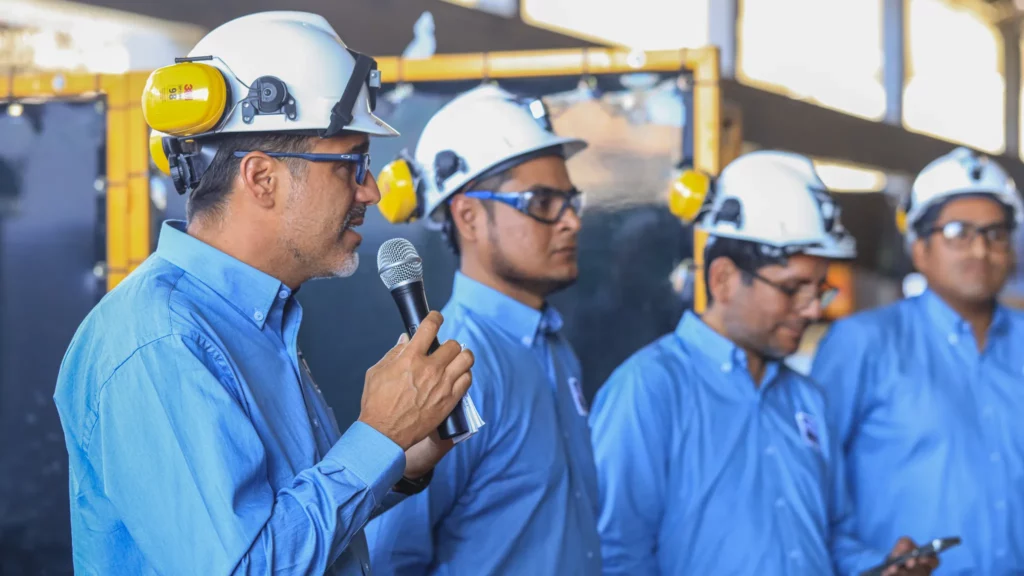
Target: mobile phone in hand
{"x":932,"y":548}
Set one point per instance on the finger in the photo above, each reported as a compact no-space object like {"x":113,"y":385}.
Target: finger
{"x":458,"y":366}
{"x":461,"y":386}
{"x":444,"y":355}
{"x":403,"y":338}
{"x":426,"y":333}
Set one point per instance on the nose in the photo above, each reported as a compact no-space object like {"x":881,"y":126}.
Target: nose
{"x":571,"y":220}
{"x":812,"y":311}
{"x":368,"y":193}
{"x":979,"y":245}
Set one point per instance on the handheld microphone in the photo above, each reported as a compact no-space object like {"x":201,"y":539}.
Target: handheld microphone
{"x":401,"y":270}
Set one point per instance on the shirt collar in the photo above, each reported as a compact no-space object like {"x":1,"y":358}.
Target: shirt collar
{"x":518,"y":319}
{"x":249,"y":290}
{"x":951,"y":323}
{"x":726,"y":355}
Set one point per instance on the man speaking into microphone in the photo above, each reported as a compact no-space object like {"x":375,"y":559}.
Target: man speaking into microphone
{"x":198,"y":441}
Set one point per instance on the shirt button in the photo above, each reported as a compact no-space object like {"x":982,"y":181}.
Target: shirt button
{"x":258,"y":315}
{"x":565,"y":435}
{"x":726,"y":367}
{"x":995,"y":457}
{"x":953,"y":339}
{"x":780,"y":503}
{"x":527,"y":340}
{"x":316,"y":423}
{"x":590,"y":554}
{"x":1000,"y":504}
{"x":988,"y":411}
{"x":770,"y":450}
{"x":578,"y":495}
{"x":794,"y":555}
{"x":282,"y":294}
{"x":366,"y":567}
{"x":1001,"y":552}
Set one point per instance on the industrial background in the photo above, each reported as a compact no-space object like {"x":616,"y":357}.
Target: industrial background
{"x":872,"y":90}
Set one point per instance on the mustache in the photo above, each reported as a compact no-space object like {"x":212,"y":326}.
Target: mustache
{"x":357,"y":212}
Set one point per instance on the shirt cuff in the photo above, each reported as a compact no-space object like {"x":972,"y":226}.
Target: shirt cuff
{"x":370,"y":456}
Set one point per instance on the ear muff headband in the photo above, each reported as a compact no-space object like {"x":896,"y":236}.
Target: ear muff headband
{"x":401,"y":194}
{"x":689,"y":194}
{"x":901,"y":215}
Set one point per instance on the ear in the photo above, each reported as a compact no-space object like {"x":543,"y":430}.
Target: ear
{"x":919,"y":254}
{"x":722,"y":277}
{"x":467,"y":214}
{"x":259,"y":178}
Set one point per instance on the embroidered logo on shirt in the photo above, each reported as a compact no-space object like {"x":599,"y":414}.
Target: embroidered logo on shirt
{"x":578,"y":398}
{"x":808,"y":429}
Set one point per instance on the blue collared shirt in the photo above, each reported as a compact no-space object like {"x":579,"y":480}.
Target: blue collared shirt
{"x":198,"y":442}
{"x":702,"y":472}
{"x":521,"y":496}
{"x":932,"y":430}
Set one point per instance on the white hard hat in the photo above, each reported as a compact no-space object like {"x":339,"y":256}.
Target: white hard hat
{"x":777,"y":199}
{"x":962,"y":172}
{"x":478,"y":133}
{"x":265,"y":72}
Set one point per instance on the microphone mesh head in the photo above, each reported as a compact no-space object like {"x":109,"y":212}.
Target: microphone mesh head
{"x":398,"y":263}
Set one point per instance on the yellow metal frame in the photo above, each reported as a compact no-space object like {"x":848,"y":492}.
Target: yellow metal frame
{"x":127,"y":174}
{"x":128,"y":204}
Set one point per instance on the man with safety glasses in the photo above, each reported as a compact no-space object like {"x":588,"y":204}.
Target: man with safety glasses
{"x":713,"y":456}
{"x":198,"y":441}
{"x":521,"y":498}
{"x":927,"y":394}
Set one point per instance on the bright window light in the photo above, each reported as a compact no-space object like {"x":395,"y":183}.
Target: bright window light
{"x":954,"y":87}
{"x":641,"y":24}
{"x":844,"y":177}
{"x":828,"y":52}
{"x":506,"y":8}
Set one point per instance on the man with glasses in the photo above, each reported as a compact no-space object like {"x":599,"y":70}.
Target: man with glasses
{"x":197,"y":439}
{"x":521,"y":498}
{"x":713,"y":456}
{"x":927,"y":394}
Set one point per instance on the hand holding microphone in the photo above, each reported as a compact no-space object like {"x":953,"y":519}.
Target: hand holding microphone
{"x":419,"y":384}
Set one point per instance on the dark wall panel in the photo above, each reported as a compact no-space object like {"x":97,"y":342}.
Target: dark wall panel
{"x":49,"y":244}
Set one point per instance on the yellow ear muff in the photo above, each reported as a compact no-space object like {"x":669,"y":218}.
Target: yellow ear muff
{"x":687,"y":195}
{"x":184,"y":99}
{"x":156,"y":152}
{"x":397,"y":193}
{"x":901,"y":219}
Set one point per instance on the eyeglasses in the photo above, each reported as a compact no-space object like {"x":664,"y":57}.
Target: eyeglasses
{"x":362,"y":161}
{"x":542,"y":204}
{"x":803,"y":295}
{"x":960,"y":235}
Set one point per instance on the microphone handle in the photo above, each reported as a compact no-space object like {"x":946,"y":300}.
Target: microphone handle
{"x":411,"y":299}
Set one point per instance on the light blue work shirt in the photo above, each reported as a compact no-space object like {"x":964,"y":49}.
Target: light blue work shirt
{"x":521,"y":496}
{"x":198,"y":442}
{"x":703,"y":472}
{"x":932,"y":430}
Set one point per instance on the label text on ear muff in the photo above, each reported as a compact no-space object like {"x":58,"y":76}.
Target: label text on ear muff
{"x":185,"y":99}
{"x":687,"y":195}
{"x":398,"y":202}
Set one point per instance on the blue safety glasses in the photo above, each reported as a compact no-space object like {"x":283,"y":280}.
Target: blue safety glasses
{"x":542,"y":204}
{"x":362,"y":161}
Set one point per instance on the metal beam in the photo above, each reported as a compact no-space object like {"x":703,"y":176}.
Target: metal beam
{"x":1010,"y":30}
{"x":376,"y":27}
{"x":893,"y":59}
{"x":722,"y":18}
{"x":775,"y":121}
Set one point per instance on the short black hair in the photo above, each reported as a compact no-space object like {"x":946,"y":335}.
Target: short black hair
{"x":490,"y":184}
{"x":926,"y":222}
{"x":748,"y":257}
{"x":215,"y":185}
